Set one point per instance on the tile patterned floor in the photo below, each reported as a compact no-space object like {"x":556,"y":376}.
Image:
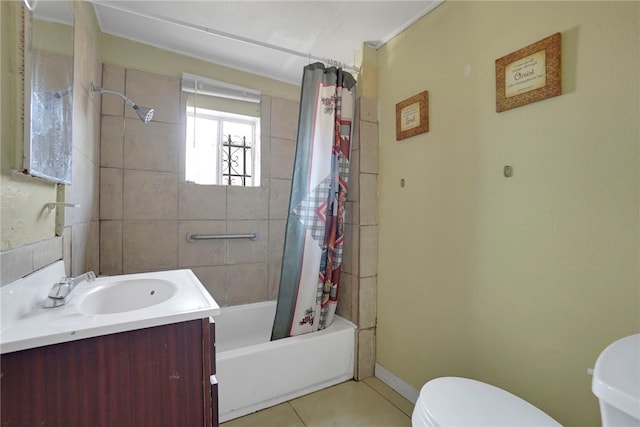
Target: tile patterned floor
{"x":368,"y":403}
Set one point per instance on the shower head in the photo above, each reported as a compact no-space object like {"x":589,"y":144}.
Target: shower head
{"x":145,"y":113}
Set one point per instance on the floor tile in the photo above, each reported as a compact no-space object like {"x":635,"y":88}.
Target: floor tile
{"x":349,"y":404}
{"x":281,"y":415}
{"x":390,"y":394}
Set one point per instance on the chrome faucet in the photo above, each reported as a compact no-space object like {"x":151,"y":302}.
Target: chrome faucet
{"x":59,"y":294}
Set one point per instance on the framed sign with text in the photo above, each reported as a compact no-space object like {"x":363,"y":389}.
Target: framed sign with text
{"x":529,"y":75}
{"x":412,"y":116}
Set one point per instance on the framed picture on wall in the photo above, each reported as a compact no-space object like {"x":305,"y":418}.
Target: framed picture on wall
{"x":529,"y":74}
{"x":412,"y":116}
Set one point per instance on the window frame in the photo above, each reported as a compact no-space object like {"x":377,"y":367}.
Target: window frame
{"x":221,"y":117}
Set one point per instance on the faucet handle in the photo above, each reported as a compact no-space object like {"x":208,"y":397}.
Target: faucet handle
{"x":60,"y":290}
{"x":89,"y":276}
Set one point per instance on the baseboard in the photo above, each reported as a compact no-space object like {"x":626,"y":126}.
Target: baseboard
{"x":405,"y":389}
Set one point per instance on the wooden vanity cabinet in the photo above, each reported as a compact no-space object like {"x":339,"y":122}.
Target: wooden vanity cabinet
{"x":157,"y":376}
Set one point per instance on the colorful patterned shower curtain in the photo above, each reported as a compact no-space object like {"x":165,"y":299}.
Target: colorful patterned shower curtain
{"x":315,"y":224}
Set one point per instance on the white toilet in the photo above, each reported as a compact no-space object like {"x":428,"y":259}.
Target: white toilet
{"x":616,"y":382}
{"x":453,"y":401}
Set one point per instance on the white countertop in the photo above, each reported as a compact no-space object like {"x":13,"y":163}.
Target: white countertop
{"x":26,"y":324}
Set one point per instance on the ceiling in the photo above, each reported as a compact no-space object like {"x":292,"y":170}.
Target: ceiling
{"x":268,"y":38}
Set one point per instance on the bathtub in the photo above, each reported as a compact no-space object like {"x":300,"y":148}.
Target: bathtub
{"x":254,"y":373}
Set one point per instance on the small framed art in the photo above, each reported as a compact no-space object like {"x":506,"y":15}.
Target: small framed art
{"x":529,"y":74}
{"x":412,"y":116}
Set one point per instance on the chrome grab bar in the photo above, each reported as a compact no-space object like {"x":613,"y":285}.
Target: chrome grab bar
{"x":192,"y":238}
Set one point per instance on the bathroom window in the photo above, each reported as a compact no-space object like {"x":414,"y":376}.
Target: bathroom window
{"x":222,"y":148}
{"x":222,"y":133}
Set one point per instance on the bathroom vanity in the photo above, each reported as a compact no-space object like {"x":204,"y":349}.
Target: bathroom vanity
{"x":148,"y":366}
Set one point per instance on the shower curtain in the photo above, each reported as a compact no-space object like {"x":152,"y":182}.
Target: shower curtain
{"x":315,"y":224}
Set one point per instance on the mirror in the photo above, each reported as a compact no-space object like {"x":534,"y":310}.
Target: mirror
{"x":49,"y":93}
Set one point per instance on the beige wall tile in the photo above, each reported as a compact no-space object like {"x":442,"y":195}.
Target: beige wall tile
{"x":112,"y":142}
{"x":85,"y":40}
{"x":112,"y":79}
{"x":46,"y":252}
{"x":368,"y":199}
{"x":150,"y":195}
{"x":247,"y":283}
{"x":351,"y":251}
{"x":15,"y":263}
{"x":284,"y":119}
{"x":368,"y":110}
{"x":275,"y":269}
{"x":353,"y":193}
{"x":265,"y":140}
{"x":367,"y":302}
{"x":353,"y":212}
{"x":368,"y":251}
{"x":84,"y":190}
{"x":368,"y":147}
{"x":277,"y":229}
{"x":85,"y":248}
{"x":247,"y":203}
{"x":149,"y":245}
{"x":215,"y":280}
{"x":110,"y":193}
{"x":111,"y":247}
{"x":93,"y":251}
{"x":152,"y":146}
{"x":265,"y":160}
{"x":279,"y":198}
{"x":366,"y":353}
{"x":245,"y":250}
{"x":202,"y":201}
{"x":182,"y":149}
{"x":86,"y":129}
{"x":66,"y":250}
{"x":201,"y":252}
{"x":265,"y":115}
{"x":343,"y":308}
{"x":282,"y":155}
{"x":355,"y":299}
{"x":155,"y":91}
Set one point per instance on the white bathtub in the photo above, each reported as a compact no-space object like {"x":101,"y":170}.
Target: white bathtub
{"x":254,"y":373}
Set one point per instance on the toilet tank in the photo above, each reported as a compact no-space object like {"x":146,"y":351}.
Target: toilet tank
{"x":616,"y":382}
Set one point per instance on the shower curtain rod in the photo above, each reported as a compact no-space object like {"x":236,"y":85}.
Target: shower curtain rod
{"x":234,"y":37}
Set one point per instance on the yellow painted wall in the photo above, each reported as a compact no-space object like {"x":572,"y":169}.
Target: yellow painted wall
{"x":131,"y":54}
{"x":522,"y":281}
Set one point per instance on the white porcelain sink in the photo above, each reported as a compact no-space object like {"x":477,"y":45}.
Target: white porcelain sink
{"x":127,"y":295}
{"x":107,"y":305}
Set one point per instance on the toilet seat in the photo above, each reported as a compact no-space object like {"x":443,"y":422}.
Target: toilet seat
{"x":453,"y":401}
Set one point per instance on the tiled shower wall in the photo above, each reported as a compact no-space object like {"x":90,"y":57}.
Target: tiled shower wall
{"x":357,"y":295}
{"x":146,"y":208}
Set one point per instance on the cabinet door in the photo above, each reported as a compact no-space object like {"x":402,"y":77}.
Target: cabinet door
{"x":214,"y":402}
{"x":148,"y":377}
{"x":210,"y":388}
